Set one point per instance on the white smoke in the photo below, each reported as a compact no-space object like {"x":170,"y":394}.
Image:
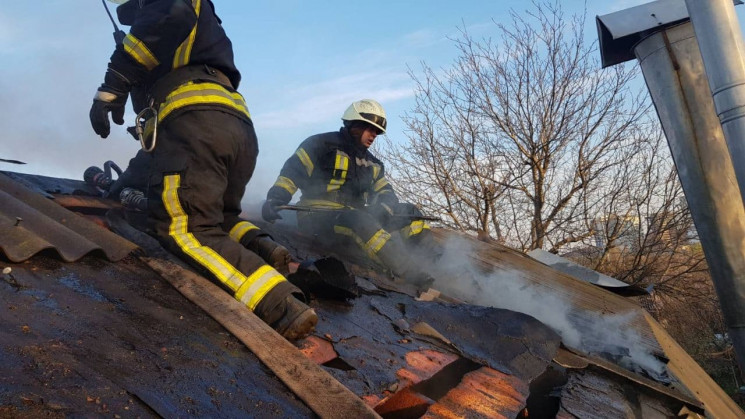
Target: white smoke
{"x":456,"y":274}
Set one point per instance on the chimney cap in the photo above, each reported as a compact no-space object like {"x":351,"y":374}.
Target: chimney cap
{"x":620,"y":31}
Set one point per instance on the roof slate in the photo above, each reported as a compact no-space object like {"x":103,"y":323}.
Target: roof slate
{"x":30,"y":223}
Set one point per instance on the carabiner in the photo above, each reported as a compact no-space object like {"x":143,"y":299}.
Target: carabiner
{"x":140,"y":130}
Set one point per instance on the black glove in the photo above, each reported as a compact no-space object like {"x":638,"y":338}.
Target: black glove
{"x":269,"y":211}
{"x":110,"y":97}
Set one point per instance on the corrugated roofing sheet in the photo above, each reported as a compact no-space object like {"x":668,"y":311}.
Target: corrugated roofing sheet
{"x":30,"y":223}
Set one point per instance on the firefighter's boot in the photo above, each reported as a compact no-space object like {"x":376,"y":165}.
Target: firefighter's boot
{"x":273,"y":253}
{"x":290,"y":317}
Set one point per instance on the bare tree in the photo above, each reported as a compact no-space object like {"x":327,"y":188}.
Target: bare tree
{"x":526,"y":140}
{"x":647,"y":236}
{"x":517,"y":139}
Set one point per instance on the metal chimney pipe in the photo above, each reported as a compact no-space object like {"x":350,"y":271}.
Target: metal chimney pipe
{"x":675,"y":76}
{"x":720,"y":41}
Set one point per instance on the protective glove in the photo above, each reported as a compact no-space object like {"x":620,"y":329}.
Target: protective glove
{"x":110,"y":97}
{"x":269,"y":211}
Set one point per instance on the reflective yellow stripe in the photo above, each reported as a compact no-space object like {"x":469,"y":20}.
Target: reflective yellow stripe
{"x":346,"y":231}
{"x":258,"y":285}
{"x":414,"y":228}
{"x":178,"y":229}
{"x":139,"y":51}
{"x":240,"y":229}
{"x":321,"y":203}
{"x":380,"y":184}
{"x":305,"y":160}
{"x":341,"y":165}
{"x":376,"y":170}
{"x":207,"y":257}
{"x":377,"y":241}
{"x":286,"y":184}
{"x":183,"y":52}
{"x":201,"y":94}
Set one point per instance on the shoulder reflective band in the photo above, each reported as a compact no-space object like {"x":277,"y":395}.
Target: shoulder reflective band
{"x":305,"y":160}
{"x":183,"y":53}
{"x":139,"y":51}
{"x":249,"y":290}
{"x":341,"y":165}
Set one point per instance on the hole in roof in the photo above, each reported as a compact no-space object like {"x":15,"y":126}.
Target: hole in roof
{"x":339,"y":364}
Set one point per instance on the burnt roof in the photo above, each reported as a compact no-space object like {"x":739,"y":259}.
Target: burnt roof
{"x":103,"y":337}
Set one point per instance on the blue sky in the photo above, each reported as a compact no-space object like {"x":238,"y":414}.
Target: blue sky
{"x":302,"y":62}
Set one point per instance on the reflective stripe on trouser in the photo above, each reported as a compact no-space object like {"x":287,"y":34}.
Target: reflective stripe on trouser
{"x":201,"y":166}
{"x":415,"y":228}
{"x":243,"y":231}
{"x":248,"y":289}
{"x":364,"y":230}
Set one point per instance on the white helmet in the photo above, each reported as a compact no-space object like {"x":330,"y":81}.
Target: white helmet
{"x":366,"y":110}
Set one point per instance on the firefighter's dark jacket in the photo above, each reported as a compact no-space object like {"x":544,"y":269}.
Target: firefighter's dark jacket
{"x":331,"y":169}
{"x":168,"y":37}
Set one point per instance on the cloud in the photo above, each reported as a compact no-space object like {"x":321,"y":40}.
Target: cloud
{"x":304,"y":105}
{"x":8,"y":34}
{"x":53,"y":62}
{"x":421,"y":38}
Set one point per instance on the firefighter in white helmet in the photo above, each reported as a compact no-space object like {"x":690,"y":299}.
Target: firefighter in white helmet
{"x":337,"y":171}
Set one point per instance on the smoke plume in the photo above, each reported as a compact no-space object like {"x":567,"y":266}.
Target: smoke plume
{"x":610,"y":336}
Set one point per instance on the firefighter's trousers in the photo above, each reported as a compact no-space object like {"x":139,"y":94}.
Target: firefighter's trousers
{"x":394,"y":251}
{"x":201,"y":165}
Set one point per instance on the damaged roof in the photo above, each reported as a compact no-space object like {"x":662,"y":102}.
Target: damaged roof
{"x":31,"y":223}
{"x":105,"y":334}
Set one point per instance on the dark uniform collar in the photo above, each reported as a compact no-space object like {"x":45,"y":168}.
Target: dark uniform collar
{"x":353,"y":144}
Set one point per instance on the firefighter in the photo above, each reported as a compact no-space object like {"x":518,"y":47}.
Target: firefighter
{"x":177,"y":64}
{"x":130,"y":189}
{"x":336,"y":170}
